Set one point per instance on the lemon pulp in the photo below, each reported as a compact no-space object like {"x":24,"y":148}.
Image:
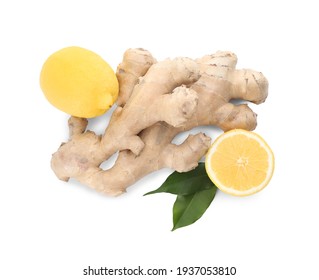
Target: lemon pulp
{"x":240,"y":162}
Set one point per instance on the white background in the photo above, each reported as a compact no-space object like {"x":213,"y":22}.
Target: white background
{"x":53,"y":230}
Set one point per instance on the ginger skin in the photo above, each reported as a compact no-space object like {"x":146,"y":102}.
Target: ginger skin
{"x":161,"y":87}
{"x":157,"y":101}
{"x":134,"y":65}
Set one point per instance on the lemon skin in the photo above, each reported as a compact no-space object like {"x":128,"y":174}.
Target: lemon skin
{"x":79,"y":82}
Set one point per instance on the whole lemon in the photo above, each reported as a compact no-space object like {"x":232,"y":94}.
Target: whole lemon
{"x":79,"y":82}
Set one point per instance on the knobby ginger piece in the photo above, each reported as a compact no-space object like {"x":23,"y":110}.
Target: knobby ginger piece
{"x":157,"y":101}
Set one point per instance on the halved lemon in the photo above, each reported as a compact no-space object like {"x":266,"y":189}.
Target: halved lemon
{"x":240,"y":162}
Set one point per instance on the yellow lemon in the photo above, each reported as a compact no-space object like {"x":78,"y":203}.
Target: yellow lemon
{"x":240,"y":162}
{"x":79,"y":82}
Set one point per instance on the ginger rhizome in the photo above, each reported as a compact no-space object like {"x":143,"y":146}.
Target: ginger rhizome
{"x":157,"y":101}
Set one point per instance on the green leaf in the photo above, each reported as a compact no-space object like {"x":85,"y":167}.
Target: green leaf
{"x":195,"y":192}
{"x":189,"y":208}
{"x":186,"y":183}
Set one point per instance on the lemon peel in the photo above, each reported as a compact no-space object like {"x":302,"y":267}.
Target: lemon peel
{"x":79,"y":82}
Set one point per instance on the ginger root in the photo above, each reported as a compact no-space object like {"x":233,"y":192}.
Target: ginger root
{"x":158,"y":100}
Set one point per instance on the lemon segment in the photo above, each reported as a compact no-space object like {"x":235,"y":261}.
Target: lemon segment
{"x":79,"y":82}
{"x":240,"y":162}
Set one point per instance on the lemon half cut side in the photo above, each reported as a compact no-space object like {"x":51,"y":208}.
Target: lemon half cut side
{"x":240,"y":162}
